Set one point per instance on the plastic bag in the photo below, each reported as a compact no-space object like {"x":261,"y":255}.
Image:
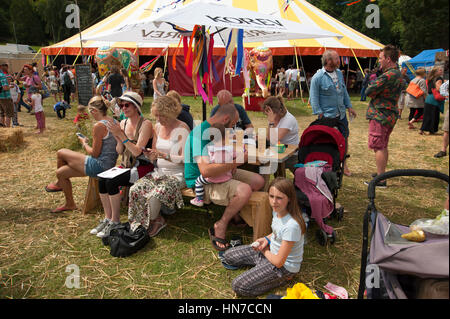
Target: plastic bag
{"x":438,"y":226}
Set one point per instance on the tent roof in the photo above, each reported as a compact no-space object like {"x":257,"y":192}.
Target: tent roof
{"x":298,"y":11}
{"x":425,"y":56}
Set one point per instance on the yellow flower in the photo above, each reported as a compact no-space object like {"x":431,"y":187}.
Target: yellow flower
{"x":300,"y":291}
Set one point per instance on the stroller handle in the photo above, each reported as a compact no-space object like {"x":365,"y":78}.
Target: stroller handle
{"x":403,"y":172}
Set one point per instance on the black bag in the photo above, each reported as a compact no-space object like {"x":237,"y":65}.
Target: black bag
{"x":124,"y":242}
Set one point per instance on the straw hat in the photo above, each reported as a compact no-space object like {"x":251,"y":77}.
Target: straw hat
{"x":134,"y":98}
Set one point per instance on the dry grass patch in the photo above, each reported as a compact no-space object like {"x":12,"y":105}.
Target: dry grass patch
{"x":37,"y":246}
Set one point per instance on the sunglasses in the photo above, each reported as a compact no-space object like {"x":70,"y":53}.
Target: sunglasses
{"x":126,"y":104}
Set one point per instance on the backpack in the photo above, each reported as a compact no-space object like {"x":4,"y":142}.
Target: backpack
{"x":123,"y":242}
{"x":66,"y":79}
{"x":43,"y":90}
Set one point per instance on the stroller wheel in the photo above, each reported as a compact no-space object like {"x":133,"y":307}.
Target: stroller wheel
{"x":332,"y":237}
{"x":340,"y":213}
{"x":321,"y":237}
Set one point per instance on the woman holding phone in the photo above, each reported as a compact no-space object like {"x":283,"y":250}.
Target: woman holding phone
{"x":102,"y":155}
{"x":134,"y":134}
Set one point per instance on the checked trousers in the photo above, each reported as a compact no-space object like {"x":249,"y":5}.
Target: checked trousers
{"x":261,"y":278}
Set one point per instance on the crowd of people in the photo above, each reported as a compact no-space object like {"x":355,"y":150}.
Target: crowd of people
{"x":163,"y":159}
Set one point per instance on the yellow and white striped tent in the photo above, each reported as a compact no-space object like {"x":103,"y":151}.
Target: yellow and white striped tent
{"x":352,"y":43}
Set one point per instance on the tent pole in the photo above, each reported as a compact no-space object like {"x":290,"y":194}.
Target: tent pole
{"x":304,"y":72}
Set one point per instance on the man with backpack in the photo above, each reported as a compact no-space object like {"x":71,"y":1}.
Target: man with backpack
{"x":66,"y":84}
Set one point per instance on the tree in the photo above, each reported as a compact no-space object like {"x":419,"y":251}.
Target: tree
{"x":27,"y":22}
{"x":421,"y":24}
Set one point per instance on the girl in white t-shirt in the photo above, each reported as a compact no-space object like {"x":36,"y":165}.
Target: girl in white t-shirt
{"x":276,"y":257}
{"x":36,"y":102}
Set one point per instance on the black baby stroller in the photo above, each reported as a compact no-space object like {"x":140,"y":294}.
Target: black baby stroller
{"x":322,"y":141}
{"x":397,"y":268}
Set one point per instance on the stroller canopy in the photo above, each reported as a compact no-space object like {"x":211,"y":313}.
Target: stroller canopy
{"x":321,"y":134}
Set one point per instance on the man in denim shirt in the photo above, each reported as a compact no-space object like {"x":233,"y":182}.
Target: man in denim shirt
{"x":328,"y":94}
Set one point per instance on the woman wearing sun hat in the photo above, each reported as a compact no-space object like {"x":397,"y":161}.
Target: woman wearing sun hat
{"x":102,"y":155}
{"x":133,"y":134}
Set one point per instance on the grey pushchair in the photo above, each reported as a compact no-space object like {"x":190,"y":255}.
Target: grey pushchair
{"x":395,"y":268}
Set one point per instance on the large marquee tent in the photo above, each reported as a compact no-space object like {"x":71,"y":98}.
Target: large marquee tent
{"x":352,"y":43}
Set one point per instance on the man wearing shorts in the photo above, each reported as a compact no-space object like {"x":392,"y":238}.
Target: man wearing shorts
{"x":382,"y":112}
{"x":6,"y":103}
{"x":233,"y":194}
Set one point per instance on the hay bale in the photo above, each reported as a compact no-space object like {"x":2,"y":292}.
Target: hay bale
{"x":10,"y":139}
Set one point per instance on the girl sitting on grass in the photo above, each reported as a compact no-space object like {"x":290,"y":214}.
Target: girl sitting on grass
{"x":277,"y":257}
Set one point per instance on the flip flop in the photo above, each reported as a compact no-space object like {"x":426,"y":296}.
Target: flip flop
{"x":62,"y":209}
{"x":215,"y":240}
{"x":52,"y":188}
{"x":224,"y":264}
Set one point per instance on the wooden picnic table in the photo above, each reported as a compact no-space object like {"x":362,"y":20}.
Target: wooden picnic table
{"x":261,"y":157}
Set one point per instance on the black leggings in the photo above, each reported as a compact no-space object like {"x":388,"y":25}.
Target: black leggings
{"x":111,"y":185}
{"x":415,"y":113}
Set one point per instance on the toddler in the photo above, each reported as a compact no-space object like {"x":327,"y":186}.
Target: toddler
{"x":36,"y":102}
{"x":81,"y":115}
{"x":59,"y":107}
{"x":218,"y":153}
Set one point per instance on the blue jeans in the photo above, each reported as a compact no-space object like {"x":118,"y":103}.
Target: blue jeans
{"x":363,"y":93}
{"x":21,"y":102}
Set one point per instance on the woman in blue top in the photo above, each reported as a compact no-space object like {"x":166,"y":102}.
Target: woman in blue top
{"x":276,"y":257}
{"x":102,"y":155}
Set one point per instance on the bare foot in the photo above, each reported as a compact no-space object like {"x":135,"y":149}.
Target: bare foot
{"x":63,"y":209}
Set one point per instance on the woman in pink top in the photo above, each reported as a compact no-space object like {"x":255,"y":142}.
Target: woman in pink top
{"x":218,"y":153}
{"x":30,"y":79}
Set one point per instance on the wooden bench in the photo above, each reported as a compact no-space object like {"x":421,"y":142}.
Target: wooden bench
{"x":92,"y":197}
{"x":257,"y":213}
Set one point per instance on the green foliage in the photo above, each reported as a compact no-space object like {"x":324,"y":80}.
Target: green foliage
{"x":412,"y":25}
{"x":27,"y":23}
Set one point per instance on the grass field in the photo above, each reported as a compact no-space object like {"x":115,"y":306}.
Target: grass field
{"x":37,"y":246}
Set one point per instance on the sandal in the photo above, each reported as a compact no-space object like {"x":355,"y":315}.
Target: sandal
{"x":440,"y":154}
{"x":157,"y":225}
{"x":215,"y":240}
{"x":52,"y":188}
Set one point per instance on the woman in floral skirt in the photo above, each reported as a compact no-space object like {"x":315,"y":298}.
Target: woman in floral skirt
{"x":161,"y":189}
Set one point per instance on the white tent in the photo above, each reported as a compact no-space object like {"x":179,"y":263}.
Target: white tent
{"x":299,"y":11}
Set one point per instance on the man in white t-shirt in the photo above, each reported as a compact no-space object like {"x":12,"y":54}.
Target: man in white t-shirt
{"x":293,"y":82}
{"x":286,"y":78}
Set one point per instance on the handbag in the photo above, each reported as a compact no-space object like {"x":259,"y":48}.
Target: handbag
{"x":414,"y":90}
{"x":123,"y":242}
{"x":437,"y":95}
